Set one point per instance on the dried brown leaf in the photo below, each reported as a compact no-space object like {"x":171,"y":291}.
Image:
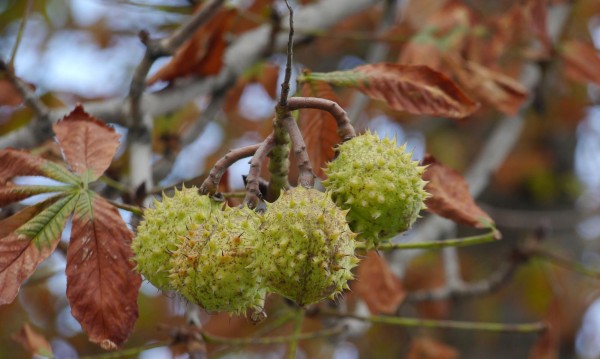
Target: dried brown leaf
{"x":19,"y":255}
{"x":380,"y":289}
{"x":88,"y":145}
{"x":22,"y":163}
{"x":494,"y":88}
{"x":582,"y":61}
{"x":9,"y":95}
{"x":546,"y":347}
{"x":450,"y":195}
{"x":102,"y":287}
{"x":11,"y":193}
{"x":34,"y":343}
{"x":427,"y":348}
{"x":203,"y":53}
{"x":319,"y":128}
{"x":415,"y":89}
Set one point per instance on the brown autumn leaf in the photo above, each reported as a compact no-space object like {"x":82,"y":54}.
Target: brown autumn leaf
{"x":494,"y":88}
{"x":546,"y":347}
{"x":582,"y":61}
{"x":450,"y":197}
{"x":19,"y":255}
{"x":411,"y":88}
{"x":33,"y":342}
{"x":427,"y":348}
{"x":102,"y":287}
{"x":203,"y":53}
{"x":88,"y":145}
{"x":268,"y":79}
{"x":319,"y":128}
{"x":9,"y":95}
{"x":380,"y":289}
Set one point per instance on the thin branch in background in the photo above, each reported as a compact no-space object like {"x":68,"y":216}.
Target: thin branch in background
{"x":211,"y":183}
{"x":534,"y":327}
{"x":566,"y":263}
{"x":253,"y":194}
{"x":345,"y":129}
{"x":127,"y":207}
{"x":329,"y":332}
{"x":456,"y":242}
{"x":13,"y":54}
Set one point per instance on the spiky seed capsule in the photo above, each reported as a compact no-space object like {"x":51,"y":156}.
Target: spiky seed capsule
{"x":306,"y":250}
{"x":162,"y":229}
{"x":210,"y":268}
{"x":379,"y":184}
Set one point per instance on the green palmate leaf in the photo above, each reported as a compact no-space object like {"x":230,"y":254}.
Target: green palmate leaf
{"x":47,"y":226}
{"x":88,"y":145}
{"x":411,"y":88}
{"x":102,"y":287}
{"x":10,"y":194}
{"x":19,"y":256}
{"x":22,"y":163}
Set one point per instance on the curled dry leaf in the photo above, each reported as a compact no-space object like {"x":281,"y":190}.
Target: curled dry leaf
{"x":102,"y":287}
{"x":88,"y":145}
{"x":203,"y":53}
{"x":427,"y":348}
{"x":380,"y":289}
{"x":536,"y":13}
{"x":450,"y":197}
{"x":33,"y":342}
{"x":582,"y":61}
{"x":318,"y":127}
{"x":411,"y":88}
{"x":494,"y":88}
{"x":9,"y":95}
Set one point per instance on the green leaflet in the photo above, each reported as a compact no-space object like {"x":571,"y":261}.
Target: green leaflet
{"x":349,"y":78}
{"x":60,"y":173}
{"x":47,"y":226}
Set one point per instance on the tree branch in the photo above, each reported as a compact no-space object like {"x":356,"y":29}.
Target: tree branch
{"x":253,"y":194}
{"x":345,"y":129}
{"x":240,"y":55}
{"x":211,"y":183}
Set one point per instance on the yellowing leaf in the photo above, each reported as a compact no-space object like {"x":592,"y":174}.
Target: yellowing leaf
{"x":102,"y":287}
{"x":450,"y":195}
{"x":411,"y":88}
{"x":318,"y":127}
{"x":22,"y":163}
{"x":88,"y":145}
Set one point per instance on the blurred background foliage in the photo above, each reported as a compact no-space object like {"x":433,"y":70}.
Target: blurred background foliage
{"x":80,"y":50}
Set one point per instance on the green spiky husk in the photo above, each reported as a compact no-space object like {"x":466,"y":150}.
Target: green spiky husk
{"x":380,"y":185}
{"x":307,"y":249}
{"x":210,"y":268}
{"x":162,"y":229}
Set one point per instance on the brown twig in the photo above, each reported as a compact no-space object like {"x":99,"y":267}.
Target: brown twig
{"x":253,"y":194}
{"x":211,"y":183}
{"x":163,"y":47}
{"x":306,"y":177}
{"x":345,"y":128}
{"x":279,"y":157}
{"x":285,"y":86}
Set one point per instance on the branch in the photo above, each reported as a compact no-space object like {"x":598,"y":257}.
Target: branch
{"x":211,"y":183}
{"x":285,"y":85}
{"x":241,"y":54}
{"x":534,"y":327}
{"x":457,"y":242}
{"x":306,"y":176}
{"x":345,"y":128}
{"x":253,"y":194}
{"x":274,"y":340}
